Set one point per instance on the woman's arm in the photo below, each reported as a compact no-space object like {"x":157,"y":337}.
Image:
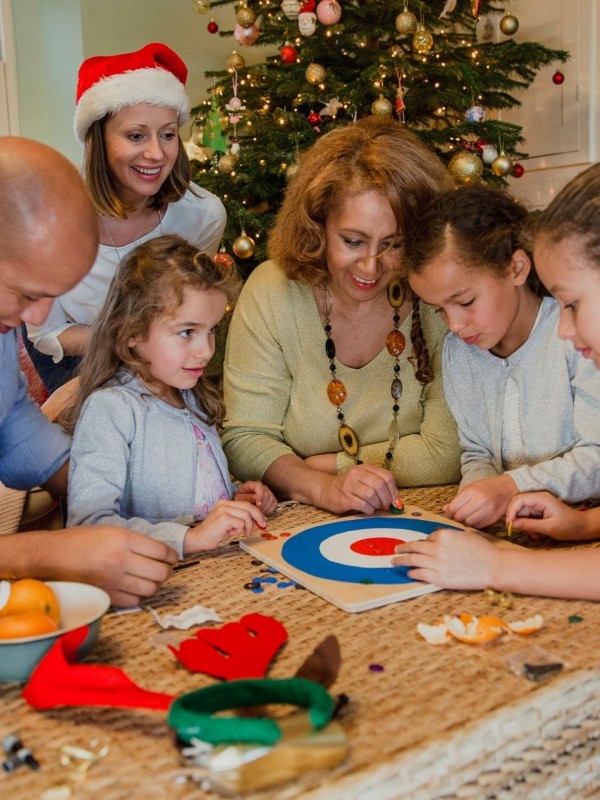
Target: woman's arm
{"x":74,"y":340}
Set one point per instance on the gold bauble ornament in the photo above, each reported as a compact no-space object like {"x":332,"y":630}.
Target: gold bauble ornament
{"x":502,"y":165}
{"x":244,"y":246}
{"x":315,"y":73}
{"x":226,"y":163}
{"x":466,"y":168}
{"x":245,"y":16}
{"x":422,"y":40}
{"x":201,"y":6}
{"x":509,"y":25}
{"x":406,"y":23}
{"x":292,"y":170}
{"x":235,"y":61}
{"x":381,"y":107}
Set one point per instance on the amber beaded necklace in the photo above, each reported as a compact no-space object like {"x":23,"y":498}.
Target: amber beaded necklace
{"x":336,"y":389}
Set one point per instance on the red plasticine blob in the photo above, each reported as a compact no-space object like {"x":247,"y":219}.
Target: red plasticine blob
{"x":241,"y":649}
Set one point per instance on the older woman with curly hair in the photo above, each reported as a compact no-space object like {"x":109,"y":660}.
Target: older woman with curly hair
{"x":332,"y":378}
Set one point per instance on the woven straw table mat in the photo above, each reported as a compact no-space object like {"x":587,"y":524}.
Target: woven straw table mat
{"x":449,"y":722}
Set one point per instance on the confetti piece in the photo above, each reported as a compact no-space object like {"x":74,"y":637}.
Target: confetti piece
{"x":574,"y":618}
{"x":376,"y":667}
{"x":366,"y":581}
{"x":509,"y":530}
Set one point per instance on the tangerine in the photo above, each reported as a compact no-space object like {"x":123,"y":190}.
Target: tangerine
{"x":27,"y":623}
{"x":29,"y":594}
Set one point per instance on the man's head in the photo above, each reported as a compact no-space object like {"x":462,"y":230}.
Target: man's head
{"x":48,"y":230}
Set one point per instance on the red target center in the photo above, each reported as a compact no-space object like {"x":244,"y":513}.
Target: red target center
{"x":376,"y":546}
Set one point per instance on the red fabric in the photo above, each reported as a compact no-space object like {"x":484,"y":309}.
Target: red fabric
{"x":59,"y":681}
{"x":152,"y":55}
{"x":241,"y":649}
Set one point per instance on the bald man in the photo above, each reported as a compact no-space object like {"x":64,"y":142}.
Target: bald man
{"x":48,"y":242}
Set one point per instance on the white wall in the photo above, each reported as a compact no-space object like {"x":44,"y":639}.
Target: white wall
{"x":54,"y":36}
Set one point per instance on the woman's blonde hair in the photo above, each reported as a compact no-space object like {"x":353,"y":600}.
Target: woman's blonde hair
{"x":95,"y":173}
{"x":149,"y":281}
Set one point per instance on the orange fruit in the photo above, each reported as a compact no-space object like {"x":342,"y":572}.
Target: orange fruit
{"x":29,"y":594}
{"x":27,"y":623}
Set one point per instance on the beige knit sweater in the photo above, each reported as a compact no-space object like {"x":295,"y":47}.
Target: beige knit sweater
{"x":276,"y":376}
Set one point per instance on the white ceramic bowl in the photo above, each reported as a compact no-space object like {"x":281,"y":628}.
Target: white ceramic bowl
{"x":80,"y":604}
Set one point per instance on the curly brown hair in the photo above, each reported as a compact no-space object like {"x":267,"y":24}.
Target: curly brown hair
{"x":374,"y":154}
{"x":149,"y":281}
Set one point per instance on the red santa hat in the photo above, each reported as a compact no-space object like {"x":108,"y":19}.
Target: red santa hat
{"x":106,"y":84}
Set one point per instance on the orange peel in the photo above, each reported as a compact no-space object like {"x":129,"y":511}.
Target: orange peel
{"x":436,"y":634}
{"x":527,"y":626}
{"x":475,"y":630}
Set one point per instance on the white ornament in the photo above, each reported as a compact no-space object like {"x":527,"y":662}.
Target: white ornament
{"x":291,"y":8}
{"x":307,"y":22}
{"x":331,"y":108}
{"x":488,"y":154}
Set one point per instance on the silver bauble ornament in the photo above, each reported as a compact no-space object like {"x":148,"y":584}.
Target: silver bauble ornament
{"x":244,"y":246}
{"x":489,"y":154}
{"x":291,"y":8}
{"x":235,"y":61}
{"x":466,"y":168}
{"x":381,"y":107}
{"x":422,"y":40}
{"x":226,"y":163}
{"x":509,"y":25}
{"x":315,"y":73}
{"x":201,"y":6}
{"x":245,"y":16}
{"x":406,"y":23}
{"x":502,"y":165}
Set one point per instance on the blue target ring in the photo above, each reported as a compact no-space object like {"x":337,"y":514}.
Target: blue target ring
{"x":303,"y":550}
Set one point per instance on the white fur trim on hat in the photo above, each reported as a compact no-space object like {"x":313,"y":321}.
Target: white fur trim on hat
{"x":152,"y":85}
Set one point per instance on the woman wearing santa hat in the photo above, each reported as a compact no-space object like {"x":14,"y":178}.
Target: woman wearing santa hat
{"x":129,"y":110}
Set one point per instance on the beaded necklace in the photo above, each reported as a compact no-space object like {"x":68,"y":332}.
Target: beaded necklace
{"x":336,"y":389}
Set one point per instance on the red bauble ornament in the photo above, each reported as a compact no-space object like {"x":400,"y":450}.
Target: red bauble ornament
{"x":224,"y":260}
{"x":517,"y":171}
{"x":288,"y":54}
{"x":558,"y":78}
{"x":212,"y":26}
{"x":314,"y":118}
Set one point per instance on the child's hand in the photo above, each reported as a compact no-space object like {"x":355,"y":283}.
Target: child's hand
{"x":542,"y":512}
{"x":227,"y":518}
{"x":451,"y":559}
{"x":257,"y":493}
{"x":482,"y":502}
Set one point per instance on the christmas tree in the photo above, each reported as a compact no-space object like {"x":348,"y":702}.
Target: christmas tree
{"x":429,"y":64}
